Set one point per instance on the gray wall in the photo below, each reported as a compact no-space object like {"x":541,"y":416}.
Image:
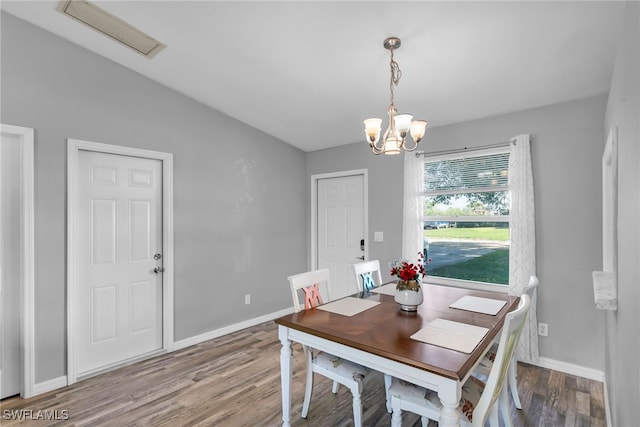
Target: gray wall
{"x":622,"y":336}
{"x":239,"y":222}
{"x":568,"y":140}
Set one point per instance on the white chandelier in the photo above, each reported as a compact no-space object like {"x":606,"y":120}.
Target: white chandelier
{"x":393,"y":140}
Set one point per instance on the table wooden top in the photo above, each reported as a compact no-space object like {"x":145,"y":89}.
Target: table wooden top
{"x":384,"y":330}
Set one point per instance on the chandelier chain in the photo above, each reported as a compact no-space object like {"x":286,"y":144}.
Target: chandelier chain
{"x":396,"y":74}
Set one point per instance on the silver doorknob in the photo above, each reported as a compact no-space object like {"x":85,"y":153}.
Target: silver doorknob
{"x":360,"y":257}
{"x":158,"y":270}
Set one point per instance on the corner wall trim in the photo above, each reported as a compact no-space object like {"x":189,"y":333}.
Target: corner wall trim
{"x":607,"y":407}
{"x":187,"y":342}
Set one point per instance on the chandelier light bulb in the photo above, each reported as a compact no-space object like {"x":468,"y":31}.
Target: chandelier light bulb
{"x":403,"y":123}
{"x":372,"y":128}
{"x":418,"y":128}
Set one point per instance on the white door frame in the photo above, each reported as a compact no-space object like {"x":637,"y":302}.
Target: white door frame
{"x":73,"y":148}
{"x":27,"y":269}
{"x":314,"y":209}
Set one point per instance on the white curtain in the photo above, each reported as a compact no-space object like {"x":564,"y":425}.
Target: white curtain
{"x":413,"y":206}
{"x":522,"y":253}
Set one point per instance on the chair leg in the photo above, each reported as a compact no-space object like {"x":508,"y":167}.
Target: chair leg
{"x":307,"y":392}
{"x":334,"y":387}
{"x":513,"y":382}
{"x":396,"y":415}
{"x":387,"y":386}
{"x":356,"y":392}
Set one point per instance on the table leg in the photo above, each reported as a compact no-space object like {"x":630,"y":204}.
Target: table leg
{"x":286,"y":372}
{"x":449,"y":393}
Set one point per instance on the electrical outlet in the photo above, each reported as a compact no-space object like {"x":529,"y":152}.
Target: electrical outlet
{"x":543,"y":329}
{"x":247,"y":299}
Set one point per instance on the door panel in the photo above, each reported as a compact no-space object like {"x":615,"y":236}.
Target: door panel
{"x":119,"y":296}
{"x":103,"y":232}
{"x":140,"y":221}
{"x":340,"y":229}
{"x":103,"y":311}
{"x":141,"y":307}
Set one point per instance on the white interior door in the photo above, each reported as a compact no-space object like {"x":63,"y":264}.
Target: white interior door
{"x":340,"y":230}
{"x":10,"y":367}
{"x":118,"y":294}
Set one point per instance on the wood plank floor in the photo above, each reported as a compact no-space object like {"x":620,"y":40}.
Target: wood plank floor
{"x":235,"y":381}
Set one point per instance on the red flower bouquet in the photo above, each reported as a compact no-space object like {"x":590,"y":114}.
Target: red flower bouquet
{"x":409,"y":273}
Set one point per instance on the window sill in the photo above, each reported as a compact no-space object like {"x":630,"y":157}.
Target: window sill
{"x":467,"y":284}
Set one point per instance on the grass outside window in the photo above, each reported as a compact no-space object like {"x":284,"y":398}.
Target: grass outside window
{"x":490,"y":267}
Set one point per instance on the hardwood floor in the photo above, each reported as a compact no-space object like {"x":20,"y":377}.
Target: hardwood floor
{"x":235,"y":381}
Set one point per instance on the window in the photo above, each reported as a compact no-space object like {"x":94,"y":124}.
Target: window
{"x":466,"y":216}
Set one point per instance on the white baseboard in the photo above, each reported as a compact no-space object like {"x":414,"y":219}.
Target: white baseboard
{"x":49,"y":385}
{"x":187,"y":342}
{"x":570,"y":368}
{"x":60,"y":382}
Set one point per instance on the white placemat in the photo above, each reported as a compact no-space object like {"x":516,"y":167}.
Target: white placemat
{"x":453,"y":335}
{"x":388,"y":289}
{"x":348,"y":306}
{"x":479,"y":305}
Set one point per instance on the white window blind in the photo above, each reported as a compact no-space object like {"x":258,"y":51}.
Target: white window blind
{"x":465,"y":173}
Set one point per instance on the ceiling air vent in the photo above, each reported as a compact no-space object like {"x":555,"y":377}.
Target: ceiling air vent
{"x":111,"y":26}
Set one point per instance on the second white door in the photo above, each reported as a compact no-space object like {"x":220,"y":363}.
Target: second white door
{"x":118,"y":294}
{"x":10,"y":254}
{"x":340,"y":230}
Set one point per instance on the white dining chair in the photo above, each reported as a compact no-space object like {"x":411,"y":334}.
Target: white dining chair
{"x":366,"y":274}
{"x":313,"y":287}
{"x":479,"y":398}
{"x":484,"y":367}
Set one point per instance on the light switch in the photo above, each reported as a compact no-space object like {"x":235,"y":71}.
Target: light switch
{"x":377,"y":236}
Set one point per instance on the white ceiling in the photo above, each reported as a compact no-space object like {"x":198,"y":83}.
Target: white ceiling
{"x":308,"y":72}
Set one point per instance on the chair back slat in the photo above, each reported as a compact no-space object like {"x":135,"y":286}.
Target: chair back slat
{"x":312,"y":296}
{"x":367,"y":273}
{"x":312,"y":287}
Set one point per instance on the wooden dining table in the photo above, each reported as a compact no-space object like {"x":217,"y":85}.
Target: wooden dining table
{"x":379,"y":338}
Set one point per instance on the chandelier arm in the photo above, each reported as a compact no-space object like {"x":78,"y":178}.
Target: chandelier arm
{"x":410,"y":149}
{"x":375,"y":149}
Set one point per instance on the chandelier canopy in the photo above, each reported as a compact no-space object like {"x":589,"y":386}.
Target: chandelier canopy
{"x":393,"y":140}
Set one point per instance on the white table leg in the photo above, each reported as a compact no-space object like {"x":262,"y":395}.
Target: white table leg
{"x":286,"y":372}
{"x":449,"y":393}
